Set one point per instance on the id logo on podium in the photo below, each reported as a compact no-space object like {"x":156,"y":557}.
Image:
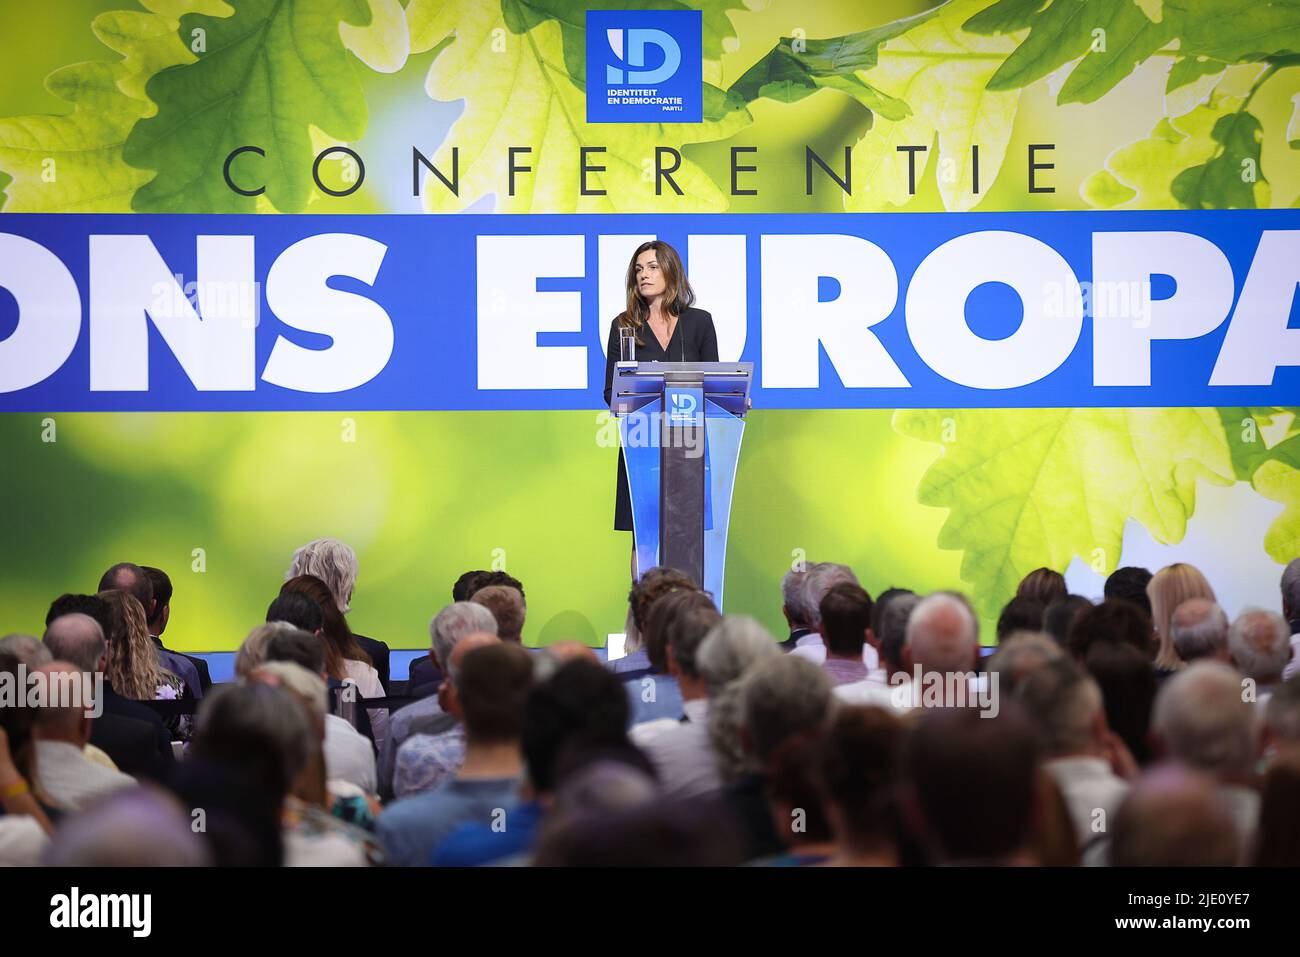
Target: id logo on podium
{"x":645,"y":66}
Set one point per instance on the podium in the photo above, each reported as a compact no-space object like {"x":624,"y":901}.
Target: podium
{"x":680,"y":426}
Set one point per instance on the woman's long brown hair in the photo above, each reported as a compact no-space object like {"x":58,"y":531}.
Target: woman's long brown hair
{"x":678,"y":294}
{"x":133,"y":669}
{"x":340,"y":644}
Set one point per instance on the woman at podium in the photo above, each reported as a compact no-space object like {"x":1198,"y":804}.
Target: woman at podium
{"x":660,"y":324}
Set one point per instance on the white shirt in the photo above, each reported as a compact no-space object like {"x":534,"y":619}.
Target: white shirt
{"x":1243,"y":805}
{"x":681,"y":751}
{"x":1089,"y":786}
{"x":348,"y":754}
{"x":70,"y":780}
{"x":874,"y":691}
{"x":368,"y":684}
{"x":22,"y":842}
{"x":814,"y":649}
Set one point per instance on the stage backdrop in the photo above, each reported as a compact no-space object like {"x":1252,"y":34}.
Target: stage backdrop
{"x":1018,"y":279}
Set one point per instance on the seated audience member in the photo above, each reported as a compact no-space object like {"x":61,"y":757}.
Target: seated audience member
{"x":889,"y":617}
{"x":1019,"y":656}
{"x":1202,"y":719}
{"x":656,"y":694}
{"x":729,"y":650}
{"x":1281,"y":725}
{"x":27,"y":649}
{"x":131,"y":579}
{"x":427,"y":716}
{"x":425,"y":761}
{"x":798,"y":813}
{"x":857,"y":766}
{"x":349,"y":755}
{"x":1278,"y":842}
{"x":780,"y":698}
{"x":92,"y":605}
{"x":575,"y":718}
{"x":793,"y":608}
{"x":66,"y":777}
{"x":137,"y":746}
{"x":1199,"y":629}
{"x":1128,"y":690}
{"x":972,"y":786}
{"x":241,"y":821}
{"x":942,"y":641}
{"x":818,"y":579}
{"x":661,"y":834}
{"x":679,"y":747}
{"x":1169,"y":588}
{"x":1129,"y":584}
{"x":1291,"y":612}
{"x":1259,"y":646}
{"x":158,"y":616}
{"x":1080,"y":752}
{"x":1020,"y":614}
{"x":1114,"y":620}
{"x":507,"y":607}
{"x":653,"y":585}
{"x":424,"y":677}
{"x":1059,"y":616}
{"x":24,"y":820}
{"x":335,"y":563}
{"x":461,"y":588}
{"x":324,"y":824}
{"x":1173,"y":817}
{"x":493,"y":687}
{"x":344,"y":658}
{"x":1044,"y":586}
{"x":133,"y":667}
{"x":297,"y":609}
{"x":138,"y":827}
{"x":845,"y":614}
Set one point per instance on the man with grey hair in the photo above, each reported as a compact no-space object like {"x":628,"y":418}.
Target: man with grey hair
{"x":1291,"y":612}
{"x":1203,"y":719}
{"x":1259,"y":644}
{"x":729,"y":650}
{"x":943,"y":642}
{"x":131,"y":734}
{"x":794,"y":607}
{"x":820,"y":578}
{"x":1173,"y":817}
{"x":426,"y":716}
{"x":140,"y":827}
{"x":779,"y":699}
{"x":1065,"y":703}
{"x":27,"y":649}
{"x":1020,"y":655}
{"x":1199,"y":629}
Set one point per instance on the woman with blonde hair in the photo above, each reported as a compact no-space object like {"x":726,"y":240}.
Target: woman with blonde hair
{"x":1169,"y":588}
{"x":133,"y":670}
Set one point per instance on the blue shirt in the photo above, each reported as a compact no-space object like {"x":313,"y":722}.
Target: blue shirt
{"x":649,"y":696}
{"x":473,"y":845}
{"x":411,"y":828}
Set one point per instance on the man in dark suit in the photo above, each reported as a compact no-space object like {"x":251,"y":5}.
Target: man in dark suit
{"x":160,"y":614}
{"x":128,"y":732}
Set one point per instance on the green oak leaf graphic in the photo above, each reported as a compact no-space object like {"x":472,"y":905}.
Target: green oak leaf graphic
{"x":1237,"y":30}
{"x":1222,"y":181}
{"x":1026,"y":488}
{"x":270,"y":72}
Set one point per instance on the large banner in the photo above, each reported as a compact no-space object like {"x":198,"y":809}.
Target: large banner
{"x":1007,"y":271}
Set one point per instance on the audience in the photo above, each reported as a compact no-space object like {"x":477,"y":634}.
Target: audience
{"x":1020,"y":614}
{"x":1044,"y":586}
{"x":858,"y":771}
{"x":494,"y":686}
{"x":1169,"y":588}
{"x":131,"y":579}
{"x":655,"y":692}
{"x":730,"y":649}
{"x":1129,"y":584}
{"x":1199,"y":629}
{"x":845,"y":613}
{"x":794,"y":608}
{"x":158,"y":616}
{"x":1128,"y":690}
{"x":1060,"y":615}
{"x":1259,"y":646}
{"x":942,"y":642}
{"x":138,"y":827}
{"x":1291,"y":611}
{"x":818,"y":579}
{"x":1173,"y":817}
{"x":507,"y":606}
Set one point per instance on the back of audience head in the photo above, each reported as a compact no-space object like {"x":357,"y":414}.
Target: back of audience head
{"x":1128,"y":689}
{"x":1290,"y":586}
{"x":68,"y":720}
{"x":132,"y":667}
{"x":1282,"y":716}
{"x":332,"y":562}
{"x":130,"y":578}
{"x":17,"y":723}
{"x":454,"y":622}
{"x":487,"y":579}
{"x":858,"y":764}
{"x":27,"y":649}
{"x":942,"y":635}
{"x":1020,"y":655}
{"x":508,"y":608}
{"x":91,"y":605}
{"x":819,"y":578}
{"x":797,"y":805}
{"x":733,"y":646}
{"x":690,"y":612}
{"x":793,"y":600}
{"x":663,"y":834}
{"x":1129,"y":584}
{"x":493,"y":683}
{"x":136,"y":827}
{"x":1020,"y":614}
{"x":687,"y":622}
{"x":297,"y":646}
{"x":340,"y":644}
{"x":582,"y":703}
{"x":160,"y":612}
{"x":1169,"y":588}
{"x":1044,"y":586}
{"x":845,"y":614}
{"x":1202,"y":719}
{"x":1277,"y":842}
{"x":76,"y":638}
{"x":1173,"y":817}
{"x":1065,"y":704}
{"x":1113,"y":620}
{"x":889,"y":624}
{"x":253,"y":649}
{"x":649,"y":588}
{"x":1259,"y":645}
{"x":780,"y":698}
{"x":603,"y":778}
{"x":955,"y":754}
{"x":1059,"y":616}
{"x":298,"y":609}
{"x":1199,"y":629}
{"x":258,"y":729}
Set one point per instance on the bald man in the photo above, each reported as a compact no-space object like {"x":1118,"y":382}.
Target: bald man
{"x":65,"y":775}
{"x":942,"y":643}
{"x":1174,"y":817}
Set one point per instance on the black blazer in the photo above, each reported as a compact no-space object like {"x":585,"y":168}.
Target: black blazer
{"x":694,"y":340}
